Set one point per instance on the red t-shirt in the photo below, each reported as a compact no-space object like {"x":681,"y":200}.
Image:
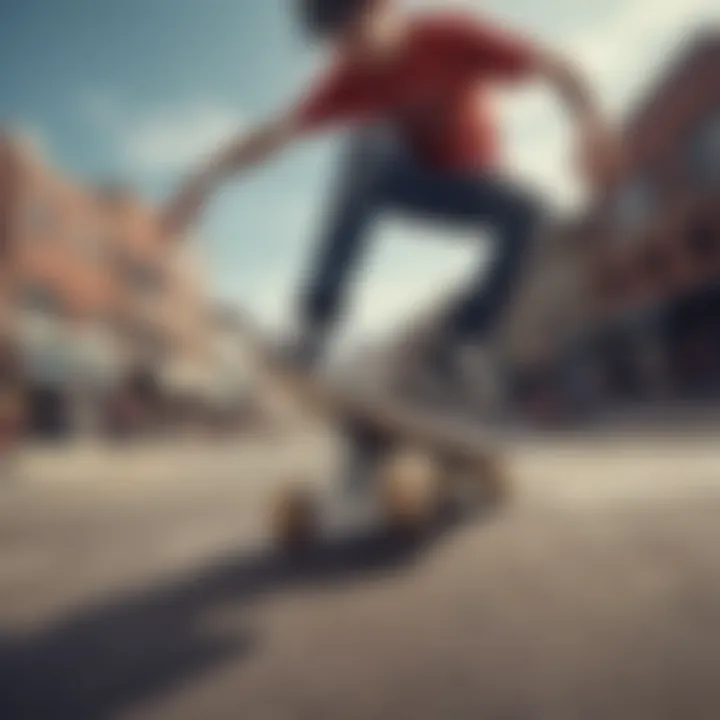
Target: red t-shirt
{"x":433,"y":90}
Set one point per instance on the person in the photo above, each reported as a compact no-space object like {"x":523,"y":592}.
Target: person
{"x":413,"y":88}
{"x":12,"y":410}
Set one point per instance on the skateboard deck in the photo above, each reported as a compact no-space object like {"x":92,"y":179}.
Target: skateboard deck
{"x":429,"y":463}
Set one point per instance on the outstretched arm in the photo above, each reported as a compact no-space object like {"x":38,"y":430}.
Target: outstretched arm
{"x":334,"y":98}
{"x":248,"y":149}
{"x":509,"y":57}
{"x":599,"y":153}
{"x":569,"y":83}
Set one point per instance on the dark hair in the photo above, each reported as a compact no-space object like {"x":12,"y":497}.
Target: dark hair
{"x":323,"y":17}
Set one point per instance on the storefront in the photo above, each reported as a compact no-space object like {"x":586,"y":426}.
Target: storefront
{"x":69,"y":374}
{"x":44,"y":354}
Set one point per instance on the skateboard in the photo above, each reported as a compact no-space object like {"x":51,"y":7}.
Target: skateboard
{"x":427,"y":468}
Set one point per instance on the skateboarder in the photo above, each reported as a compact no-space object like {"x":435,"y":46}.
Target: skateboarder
{"x":413,"y":85}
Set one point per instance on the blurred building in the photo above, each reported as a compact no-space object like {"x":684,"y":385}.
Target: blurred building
{"x":96,"y":297}
{"x":232,"y":388}
{"x":654,"y":247}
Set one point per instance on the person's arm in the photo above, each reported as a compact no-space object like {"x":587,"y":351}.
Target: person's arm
{"x":599,"y":144}
{"x":509,"y":57}
{"x":246,"y":150}
{"x":336,"y":97}
{"x":569,"y":84}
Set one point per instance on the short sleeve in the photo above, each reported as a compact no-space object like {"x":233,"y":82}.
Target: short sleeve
{"x":338,"y":97}
{"x":490,"y":49}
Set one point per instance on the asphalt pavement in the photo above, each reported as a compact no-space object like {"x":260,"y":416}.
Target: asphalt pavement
{"x":141,"y":583}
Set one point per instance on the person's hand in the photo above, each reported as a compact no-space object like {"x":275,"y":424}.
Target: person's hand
{"x":184,"y":208}
{"x":600,"y":158}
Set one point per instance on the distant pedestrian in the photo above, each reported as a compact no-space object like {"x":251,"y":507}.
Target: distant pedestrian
{"x":12,"y":411}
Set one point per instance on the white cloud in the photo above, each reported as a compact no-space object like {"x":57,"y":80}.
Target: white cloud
{"x":174,"y":139}
{"x":629,"y":44}
{"x":165,"y":139}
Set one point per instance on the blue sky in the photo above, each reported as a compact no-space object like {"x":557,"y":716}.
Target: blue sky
{"x":139,"y":90}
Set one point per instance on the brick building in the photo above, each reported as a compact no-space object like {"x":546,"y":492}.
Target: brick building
{"x":94,"y":293}
{"x":654,"y":247}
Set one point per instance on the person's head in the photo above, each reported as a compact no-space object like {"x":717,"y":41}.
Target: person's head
{"x":362,"y":28}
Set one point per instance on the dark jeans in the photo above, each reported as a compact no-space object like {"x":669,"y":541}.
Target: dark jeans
{"x":379,"y":175}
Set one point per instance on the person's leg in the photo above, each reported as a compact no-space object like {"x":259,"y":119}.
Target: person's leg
{"x":511,"y":215}
{"x":358,"y":196}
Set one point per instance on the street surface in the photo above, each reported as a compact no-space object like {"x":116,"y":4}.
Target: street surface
{"x":138,"y":583}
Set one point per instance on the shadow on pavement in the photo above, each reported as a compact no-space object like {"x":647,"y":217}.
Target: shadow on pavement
{"x":106,"y":658}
